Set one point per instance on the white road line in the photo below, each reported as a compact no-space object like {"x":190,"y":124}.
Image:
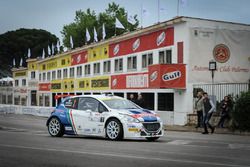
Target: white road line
{"x":123,"y":156}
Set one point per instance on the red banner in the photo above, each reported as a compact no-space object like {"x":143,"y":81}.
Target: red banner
{"x":167,"y":76}
{"x":44,"y":86}
{"x":79,"y":58}
{"x":129,"y":81}
{"x":145,"y":42}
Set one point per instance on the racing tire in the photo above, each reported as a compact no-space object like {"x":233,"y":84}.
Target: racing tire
{"x":114,"y":129}
{"x":151,"y":139}
{"x":55,"y":127}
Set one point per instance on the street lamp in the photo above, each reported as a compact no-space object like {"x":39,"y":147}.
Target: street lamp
{"x":212,"y":67}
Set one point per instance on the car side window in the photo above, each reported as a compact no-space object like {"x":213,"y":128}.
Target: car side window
{"x":70,"y":103}
{"x":102,"y":108}
{"x":88,"y":103}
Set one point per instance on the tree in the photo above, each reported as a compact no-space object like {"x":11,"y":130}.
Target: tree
{"x":89,"y":20}
{"x":15,"y":45}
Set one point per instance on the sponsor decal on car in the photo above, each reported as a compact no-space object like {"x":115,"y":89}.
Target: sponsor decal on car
{"x":133,"y":129}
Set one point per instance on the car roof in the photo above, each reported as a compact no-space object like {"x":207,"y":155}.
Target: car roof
{"x":99,"y":97}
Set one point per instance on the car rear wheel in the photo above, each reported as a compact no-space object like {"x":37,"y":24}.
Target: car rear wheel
{"x":55,"y":127}
{"x":152,"y":138}
{"x":114,"y":129}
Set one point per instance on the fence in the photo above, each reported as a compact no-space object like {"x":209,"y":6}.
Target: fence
{"x":223,"y":89}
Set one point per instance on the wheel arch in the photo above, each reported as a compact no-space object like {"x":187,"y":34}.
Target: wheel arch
{"x":112,"y":117}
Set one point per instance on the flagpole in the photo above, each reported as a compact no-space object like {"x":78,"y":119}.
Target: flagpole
{"x":158,"y":11}
{"x":178,"y":5}
{"x":141,"y":15}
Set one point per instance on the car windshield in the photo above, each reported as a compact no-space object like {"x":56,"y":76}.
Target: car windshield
{"x":120,"y":104}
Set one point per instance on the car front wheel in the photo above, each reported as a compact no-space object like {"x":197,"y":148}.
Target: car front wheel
{"x":114,"y":129}
{"x":55,"y":127}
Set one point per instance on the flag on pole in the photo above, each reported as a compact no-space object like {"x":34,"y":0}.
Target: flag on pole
{"x":95,"y":35}
{"x":58,"y":46}
{"x":183,"y":3}
{"x":29,"y":53}
{"x":52,"y":49}
{"x":130,"y":18}
{"x":71,"y":42}
{"x":21,"y":62}
{"x":43,"y":54}
{"x":87,"y":35}
{"x":49,"y":51}
{"x":103,"y":32}
{"x":14,"y":62}
{"x":118,"y":24}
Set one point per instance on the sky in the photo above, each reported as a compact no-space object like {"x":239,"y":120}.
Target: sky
{"x":52,"y":15}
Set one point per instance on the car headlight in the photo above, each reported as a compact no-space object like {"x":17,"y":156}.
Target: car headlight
{"x":131,"y":119}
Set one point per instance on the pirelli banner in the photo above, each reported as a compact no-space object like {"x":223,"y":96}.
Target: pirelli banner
{"x":229,"y":48}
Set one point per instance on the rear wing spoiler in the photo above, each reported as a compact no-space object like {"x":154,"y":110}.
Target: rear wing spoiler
{"x":56,"y":97}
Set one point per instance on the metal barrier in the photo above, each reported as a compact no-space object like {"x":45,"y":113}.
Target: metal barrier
{"x":224,"y":89}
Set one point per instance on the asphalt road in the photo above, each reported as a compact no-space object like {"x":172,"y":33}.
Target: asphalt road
{"x":24,"y":142}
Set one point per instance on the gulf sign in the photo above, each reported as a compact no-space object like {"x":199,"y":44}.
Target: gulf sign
{"x":167,"y":76}
{"x":149,"y":41}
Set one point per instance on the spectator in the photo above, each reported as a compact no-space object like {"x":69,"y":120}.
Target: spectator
{"x":140,"y":101}
{"x":198,"y":108}
{"x":226,"y":106}
{"x":132,"y":98}
{"x":207,"y":113}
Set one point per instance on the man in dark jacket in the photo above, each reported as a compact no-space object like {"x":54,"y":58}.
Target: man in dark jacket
{"x":207,"y":113}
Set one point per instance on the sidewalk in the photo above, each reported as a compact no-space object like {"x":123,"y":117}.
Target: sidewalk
{"x":200,"y":130}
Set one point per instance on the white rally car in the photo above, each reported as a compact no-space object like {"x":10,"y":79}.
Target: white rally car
{"x":105,"y":116}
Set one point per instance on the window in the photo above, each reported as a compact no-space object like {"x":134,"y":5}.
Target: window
{"x":70,"y":103}
{"x":165,"y":57}
{"x":87,"y":69}
{"x":72,"y":72}
{"x":40,"y":77}
{"x":118,"y":65}
{"x":53,"y":75}
{"x":96,"y":68}
{"x":65,"y":73}
{"x":33,"y":74}
{"x":16,"y":82}
{"x":106,"y":67}
{"x":132,"y":63}
{"x":79,"y":71}
{"x":147,"y":59}
{"x":44,"y":76}
{"x":48,"y":76}
{"x":59,"y":74}
{"x":23,"y":82}
{"x":85,"y":103}
{"x":165,"y":101}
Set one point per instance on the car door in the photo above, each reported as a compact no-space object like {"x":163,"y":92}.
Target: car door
{"x":87,"y":118}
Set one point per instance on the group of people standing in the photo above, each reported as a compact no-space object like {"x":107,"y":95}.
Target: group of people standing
{"x":205,"y":108}
{"x":139,"y":100}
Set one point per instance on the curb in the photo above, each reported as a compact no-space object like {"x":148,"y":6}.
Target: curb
{"x":200,"y":130}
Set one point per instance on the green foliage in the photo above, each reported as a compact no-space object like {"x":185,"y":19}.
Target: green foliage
{"x":15,"y":44}
{"x":89,"y":19}
{"x":241,"y":112}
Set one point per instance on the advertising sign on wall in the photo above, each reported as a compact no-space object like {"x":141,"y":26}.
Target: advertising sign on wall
{"x":79,"y":58}
{"x":145,"y":42}
{"x":167,"y":76}
{"x":44,"y":87}
{"x":129,"y":81}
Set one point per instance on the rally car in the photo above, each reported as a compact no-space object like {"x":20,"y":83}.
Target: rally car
{"x":105,"y":116}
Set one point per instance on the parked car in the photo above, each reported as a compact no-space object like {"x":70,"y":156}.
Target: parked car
{"x":106,"y":116}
